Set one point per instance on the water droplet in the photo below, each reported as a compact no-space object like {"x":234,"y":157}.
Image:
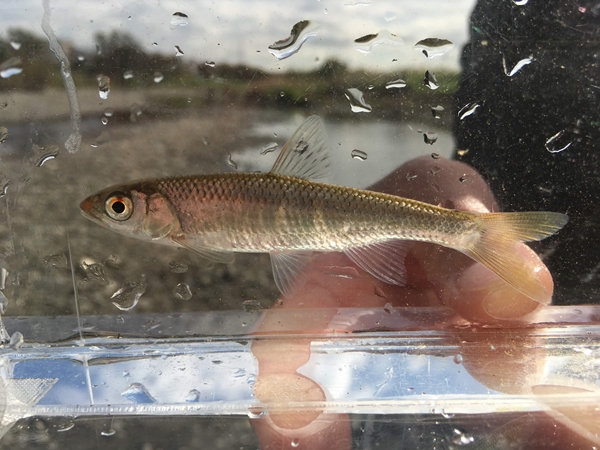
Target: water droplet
{"x":366,"y":43}
{"x":11,"y":67}
{"x":410,"y":176}
{"x":467,"y":110}
{"x":379,"y":292}
{"x":158,"y":77}
{"x":128,"y":296}
{"x":16,"y":45}
{"x":251,"y":305}
{"x":436,"y":111}
{"x":193,"y":396}
{"x":463,"y":179}
{"x":432,"y":47}
{"x":3,"y":134}
{"x":65,"y":427}
{"x":395,"y":84}
{"x":108,"y":112}
{"x":231,"y":163}
{"x":182,"y":291}
{"x":301,"y":31}
{"x":430,"y":80}
{"x":388,"y":308}
{"x":179,"y":19}
{"x":178,"y":51}
{"x":270,"y":147}
{"x":461,"y":438}
{"x":295,"y":442}
{"x":462,"y":152}
{"x":135,"y":111}
{"x":210,"y":63}
{"x":178,"y":267}
{"x":357,"y":101}
{"x":44,"y":154}
{"x":104,"y":120}
{"x":58,"y":260}
{"x":522,"y":63}
{"x":389,"y":16}
{"x":109,"y":432}
{"x":137,"y":393}
{"x":95,"y":271}
{"x":435,"y":156}
{"x":257,"y":412}
{"x":128,"y":74}
{"x":520,"y":2}
{"x":558,"y":142}
{"x":103,"y":86}
{"x":430,"y":137}
{"x":357,"y":3}
{"x":359,"y":154}
{"x":16,"y":340}
{"x":458,"y":359}
{"x":447,"y":415}
{"x":80,"y":58}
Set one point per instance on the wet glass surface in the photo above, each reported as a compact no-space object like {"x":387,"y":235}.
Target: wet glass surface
{"x":469,"y":105}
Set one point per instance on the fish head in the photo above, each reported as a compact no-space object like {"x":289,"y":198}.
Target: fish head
{"x":135,"y":210}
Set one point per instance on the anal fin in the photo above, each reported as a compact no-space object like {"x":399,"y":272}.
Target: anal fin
{"x":383,"y":260}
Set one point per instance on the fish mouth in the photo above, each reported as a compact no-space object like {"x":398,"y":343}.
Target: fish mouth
{"x":86,"y":207}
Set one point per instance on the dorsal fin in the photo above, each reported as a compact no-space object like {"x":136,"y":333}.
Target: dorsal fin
{"x":306,"y":154}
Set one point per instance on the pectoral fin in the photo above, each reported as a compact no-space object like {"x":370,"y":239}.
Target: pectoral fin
{"x":198,"y":246}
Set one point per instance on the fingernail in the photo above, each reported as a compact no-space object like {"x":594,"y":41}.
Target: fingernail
{"x":504,"y":302}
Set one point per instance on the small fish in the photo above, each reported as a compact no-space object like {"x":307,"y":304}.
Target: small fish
{"x":290,"y":216}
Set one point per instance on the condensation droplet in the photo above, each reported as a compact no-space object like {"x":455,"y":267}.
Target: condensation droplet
{"x":257,"y":412}
{"x":104,"y":120}
{"x":11,"y":67}
{"x":251,"y":305}
{"x":44,"y":154}
{"x":467,"y":110}
{"x":137,"y":393}
{"x":135,"y":111}
{"x":395,"y":84}
{"x":16,"y":45}
{"x":517,"y":67}
{"x":193,"y":396}
{"x":3,"y":134}
{"x":359,"y":154}
{"x":129,"y":294}
{"x":458,"y":359}
{"x":520,"y":2}
{"x":3,"y":299}
{"x":463,"y":179}
{"x":379,"y":292}
{"x":430,"y":137}
{"x":108,"y":112}
{"x":231,"y":163}
{"x":128,"y":74}
{"x":436,"y":111}
{"x":300,"y":32}
{"x":58,"y":260}
{"x":430,"y":80}
{"x":158,"y":77}
{"x":178,"y":267}
{"x":388,"y":308}
{"x":182,"y":291}
{"x":108,"y":433}
{"x":432,"y":47}
{"x":410,"y":177}
{"x":365,"y":44}
{"x":178,"y":51}
{"x":447,"y":415}
{"x":16,"y":340}
{"x":389,"y":16}
{"x":103,"y":86}
{"x":95,"y":271}
{"x":357,"y":3}
{"x":210,"y":63}
{"x":462,"y":152}
{"x":270,"y":147}
{"x":295,"y":443}
{"x":435,"y":156}
{"x":65,"y":427}
{"x":461,"y":438}
{"x":558,"y":142}
{"x":179,"y":19}
{"x":357,"y":101}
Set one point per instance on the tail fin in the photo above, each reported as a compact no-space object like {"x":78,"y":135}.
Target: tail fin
{"x":495,"y":248}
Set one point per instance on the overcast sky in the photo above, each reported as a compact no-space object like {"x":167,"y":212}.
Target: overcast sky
{"x":240,"y":31}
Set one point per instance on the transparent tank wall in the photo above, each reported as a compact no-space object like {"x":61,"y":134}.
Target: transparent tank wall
{"x":477,"y":105}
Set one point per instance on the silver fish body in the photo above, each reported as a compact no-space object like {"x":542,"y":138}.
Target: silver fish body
{"x":288,"y":215}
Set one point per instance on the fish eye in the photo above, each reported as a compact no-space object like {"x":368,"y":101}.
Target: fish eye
{"x":118,"y":207}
